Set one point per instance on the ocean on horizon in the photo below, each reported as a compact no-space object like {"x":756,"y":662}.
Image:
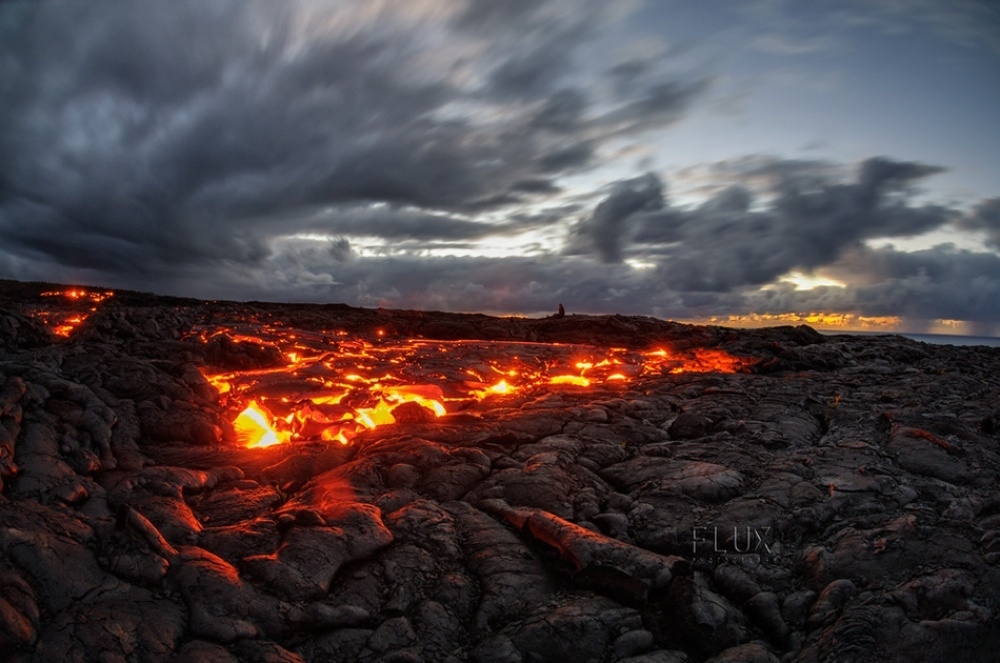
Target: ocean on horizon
{"x":948,"y":339}
{"x":935,"y":339}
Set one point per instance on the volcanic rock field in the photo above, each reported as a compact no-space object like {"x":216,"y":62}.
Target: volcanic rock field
{"x":570,"y":489}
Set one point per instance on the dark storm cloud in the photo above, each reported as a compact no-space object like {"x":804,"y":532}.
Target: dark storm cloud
{"x":942,"y":282}
{"x":340,"y":249}
{"x":521,"y":284}
{"x":806,"y":223}
{"x":985,"y":217}
{"x":156,"y":138}
{"x":394,"y":223}
{"x":656,"y":105}
{"x":605,"y":229}
{"x":880,"y":175}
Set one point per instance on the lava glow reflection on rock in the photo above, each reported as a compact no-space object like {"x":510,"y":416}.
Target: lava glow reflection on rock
{"x":324,"y":386}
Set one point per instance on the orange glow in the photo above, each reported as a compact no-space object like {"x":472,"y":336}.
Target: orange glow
{"x":253,"y":428}
{"x":821,"y":319}
{"x":578,"y":380}
{"x":328,"y":399}
{"x":333,"y":391}
{"x":400,"y":396}
{"x":330,"y":436}
{"x":480,"y":391}
{"x":370,"y":417}
{"x":68,"y":325}
{"x":501,"y":388}
{"x":80,"y":293}
{"x":64,"y":318}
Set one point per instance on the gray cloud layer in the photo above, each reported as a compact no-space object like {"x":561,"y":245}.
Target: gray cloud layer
{"x":244,"y":149}
{"x":158,"y":135}
{"x":725,"y":244}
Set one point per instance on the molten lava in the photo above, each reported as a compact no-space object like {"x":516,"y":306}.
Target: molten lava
{"x":331,"y":388}
{"x":64,"y":317}
{"x":253,"y":428}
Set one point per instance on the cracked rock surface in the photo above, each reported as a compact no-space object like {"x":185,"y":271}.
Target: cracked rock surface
{"x":838,"y":501}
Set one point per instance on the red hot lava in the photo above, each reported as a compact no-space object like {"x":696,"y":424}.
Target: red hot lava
{"x":332,"y":387}
{"x":66,"y":316}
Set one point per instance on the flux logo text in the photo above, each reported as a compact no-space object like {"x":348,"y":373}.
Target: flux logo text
{"x":717,"y":540}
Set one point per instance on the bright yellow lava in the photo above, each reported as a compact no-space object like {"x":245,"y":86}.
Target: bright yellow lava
{"x":501,"y":388}
{"x":578,"y":380}
{"x":254,"y":429}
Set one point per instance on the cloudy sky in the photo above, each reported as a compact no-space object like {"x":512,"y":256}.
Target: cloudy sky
{"x":742,"y":160}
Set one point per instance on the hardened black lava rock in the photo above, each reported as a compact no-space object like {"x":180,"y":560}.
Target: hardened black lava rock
{"x":837,"y":500}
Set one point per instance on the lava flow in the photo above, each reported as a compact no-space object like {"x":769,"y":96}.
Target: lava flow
{"x":330,"y":387}
{"x":65,"y":317}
